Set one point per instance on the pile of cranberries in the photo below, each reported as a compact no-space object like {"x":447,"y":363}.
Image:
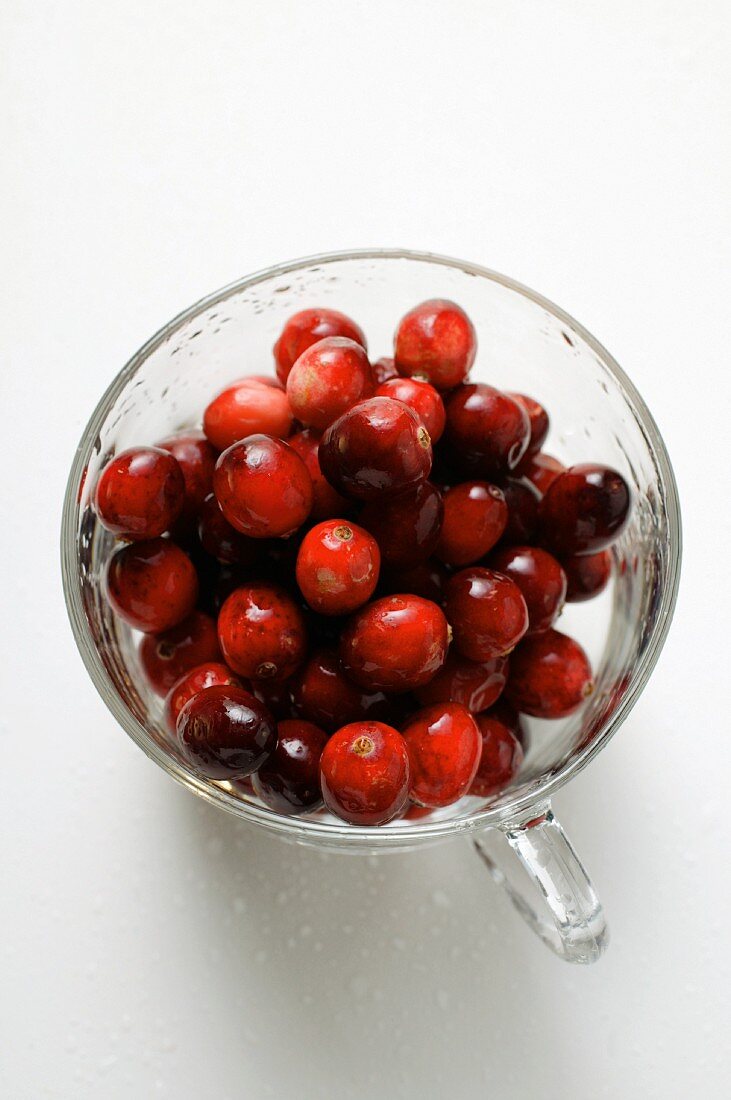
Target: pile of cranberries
{"x":348,"y":583}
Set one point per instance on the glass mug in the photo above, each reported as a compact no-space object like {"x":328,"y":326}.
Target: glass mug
{"x":525,"y":344}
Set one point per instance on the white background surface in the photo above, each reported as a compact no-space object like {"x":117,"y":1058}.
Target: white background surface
{"x":152,"y":947}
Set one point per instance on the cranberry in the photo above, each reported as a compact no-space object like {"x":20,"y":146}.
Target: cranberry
{"x":222,"y":541}
{"x":165,"y":657}
{"x":585,"y":510}
{"x":475,"y":516}
{"x":427,"y":579}
{"x":378,"y":447}
{"x":328,"y":378}
{"x":196,"y":458}
{"x":152,"y":585}
{"x":506,"y":713}
{"x":414,"y":812}
{"x":540,"y":469}
{"x":488,"y":430}
{"x":322,"y":693}
{"x":487,"y":613}
{"x":384,"y":369}
{"x":538,"y":418}
{"x":276,"y":696}
{"x":474,"y":684}
{"x":364,"y":772}
{"x":407,"y":526}
{"x":444,"y":746}
{"x":422,"y":398}
{"x":140,"y":493}
{"x":436,"y":340}
{"x":395,"y":644}
{"x":550,"y":676}
{"x":502,"y":756}
{"x":539,"y":577}
{"x":307,"y":328}
{"x":337,"y":567}
{"x":262,"y":632}
{"x":212,"y":674}
{"x":244,"y":409}
{"x":226,"y":732}
{"x":523,"y":500}
{"x":587,"y":575}
{"x":327,"y":503}
{"x":263,"y":487}
{"x":289,"y":781}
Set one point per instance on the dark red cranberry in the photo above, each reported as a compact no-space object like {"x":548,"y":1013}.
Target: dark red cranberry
{"x":165,"y":657}
{"x":262,"y":632}
{"x":337,"y":567}
{"x":305,"y":329}
{"x":444,"y":745}
{"x":427,"y":579}
{"x":364,"y":772}
{"x":322,"y":693}
{"x":152,"y":585}
{"x":488,"y":430}
{"x":487,"y":613}
{"x":523,"y":501}
{"x":226,"y":732}
{"x":474,"y":684}
{"x":244,"y":409}
{"x":506,"y":713}
{"x":539,"y":577}
{"x":550,"y":676}
{"x":327,"y":503}
{"x":211,"y":674}
{"x":328,"y":378}
{"x":222,"y":541}
{"x":475,"y":516}
{"x":289,"y":781}
{"x":585,"y":510}
{"x":502,"y":756}
{"x":396,"y":643}
{"x":407,"y":526}
{"x":587,"y":575}
{"x":436,"y":340}
{"x":196,"y":458}
{"x":422,"y":398}
{"x":263,"y":487}
{"x":378,"y":447}
{"x":140,"y":493}
{"x":383,"y":370}
{"x":538,"y":417}
{"x":540,"y":469}
{"x":276,"y":696}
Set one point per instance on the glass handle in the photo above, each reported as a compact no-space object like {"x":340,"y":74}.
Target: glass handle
{"x":547,"y":884}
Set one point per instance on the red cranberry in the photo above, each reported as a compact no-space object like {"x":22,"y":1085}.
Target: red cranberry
{"x":550,"y":676}
{"x":276,"y":697}
{"x":475,"y":516}
{"x":328,"y":378}
{"x":414,"y":812}
{"x":540,"y":469}
{"x":523,"y":500}
{"x":222,"y":541}
{"x":444,"y":746}
{"x":226,"y":732}
{"x":262,"y":632}
{"x":289,"y":781}
{"x":538,"y":418}
{"x":307,"y":328}
{"x":489,"y":430}
{"x":140,"y":493}
{"x":502,"y":756}
{"x":327,"y":503}
{"x":212,"y":674}
{"x":395,"y":644}
{"x":427,"y":579}
{"x":407,"y":526}
{"x":165,"y":657}
{"x":587,"y":575}
{"x":506,"y":713}
{"x":364,"y":771}
{"x":263,"y":487}
{"x":322,"y":693}
{"x":383,"y":370}
{"x":422,"y":398}
{"x":585,"y":510}
{"x":378,"y":447}
{"x":487,"y":613}
{"x":196,"y":458}
{"x":337,"y":567}
{"x":474,"y":684}
{"x":244,"y":409}
{"x":152,"y":585}
{"x":436,"y":340}
{"x":539,"y":577}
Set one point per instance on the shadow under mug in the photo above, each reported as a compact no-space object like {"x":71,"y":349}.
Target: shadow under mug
{"x":525,"y":344}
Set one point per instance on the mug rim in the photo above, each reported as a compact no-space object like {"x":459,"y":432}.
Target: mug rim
{"x":403,"y":834}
